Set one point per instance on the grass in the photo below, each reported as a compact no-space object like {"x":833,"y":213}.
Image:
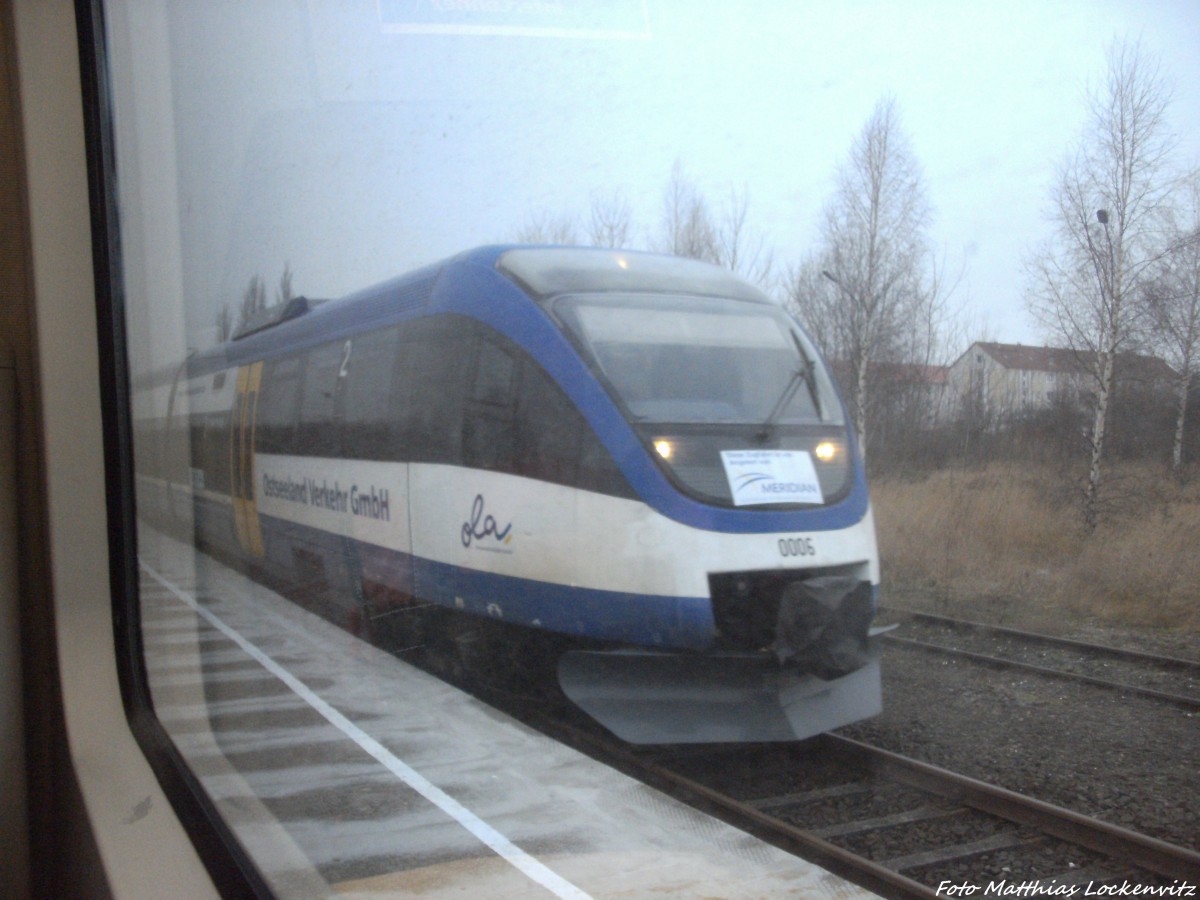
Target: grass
{"x":1006,"y":544}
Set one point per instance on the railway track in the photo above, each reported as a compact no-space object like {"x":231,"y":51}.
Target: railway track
{"x":1169,"y":679}
{"x":894,"y":825}
{"x":898,"y":826}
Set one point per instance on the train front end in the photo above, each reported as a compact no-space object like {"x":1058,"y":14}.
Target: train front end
{"x":757,"y":522}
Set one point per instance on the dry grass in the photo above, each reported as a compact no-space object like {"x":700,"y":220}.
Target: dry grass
{"x":1006,"y":544}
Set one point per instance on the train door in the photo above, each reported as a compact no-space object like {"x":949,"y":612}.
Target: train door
{"x":241,"y":456}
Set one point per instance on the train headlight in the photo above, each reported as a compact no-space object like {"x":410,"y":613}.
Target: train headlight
{"x":826,"y":451}
{"x":664,"y":448}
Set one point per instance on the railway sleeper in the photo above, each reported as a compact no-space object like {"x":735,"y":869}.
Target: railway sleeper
{"x":923,"y":813}
{"x":851,"y":789}
{"x":957,"y":852}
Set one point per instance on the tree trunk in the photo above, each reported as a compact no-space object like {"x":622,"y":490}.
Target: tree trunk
{"x":1092,"y":494}
{"x":1185,"y":383}
{"x":860,"y":406}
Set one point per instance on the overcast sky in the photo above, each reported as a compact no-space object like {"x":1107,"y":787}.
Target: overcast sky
{"x":353,"y":142}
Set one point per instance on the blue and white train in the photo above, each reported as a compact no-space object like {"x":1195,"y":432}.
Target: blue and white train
{"x":640,"y":453}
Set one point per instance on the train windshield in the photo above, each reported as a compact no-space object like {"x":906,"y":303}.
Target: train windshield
{"x":702,"y":360}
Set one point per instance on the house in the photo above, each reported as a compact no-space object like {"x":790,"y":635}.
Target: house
{"x":906,"y":389}
{"x":1001,"y":380}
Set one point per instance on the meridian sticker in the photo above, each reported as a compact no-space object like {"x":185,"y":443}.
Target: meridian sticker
{"x":771,"y":476}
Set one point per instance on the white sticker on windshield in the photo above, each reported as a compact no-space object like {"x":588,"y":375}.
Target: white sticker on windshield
{"x":771,"y":476}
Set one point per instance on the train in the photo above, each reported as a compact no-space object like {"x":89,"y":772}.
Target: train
{"x":640,"y":456}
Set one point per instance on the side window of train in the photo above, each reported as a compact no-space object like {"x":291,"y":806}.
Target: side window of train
{"x":518,"y":420}
{"x":370,"y":431}
{"x":216,"y":453}
{"x":431,"y":382}
{"x":318,"y":401}
{"x":556,"y":443}
{"x":277,"y":405}
{"x":550,"y":430}
{"x":489,"y":424}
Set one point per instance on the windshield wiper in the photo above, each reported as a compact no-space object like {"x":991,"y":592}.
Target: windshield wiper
{"x":803,"y":374}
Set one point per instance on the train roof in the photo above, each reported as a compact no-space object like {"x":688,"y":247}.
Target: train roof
{"x":540,"y":271}
{"x":550,"y":271}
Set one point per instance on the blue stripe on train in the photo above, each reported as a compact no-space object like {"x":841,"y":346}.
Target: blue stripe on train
{"x":647,"y":620}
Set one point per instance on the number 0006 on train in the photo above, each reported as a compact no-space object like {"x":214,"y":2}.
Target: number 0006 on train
{"x":641,"y":458}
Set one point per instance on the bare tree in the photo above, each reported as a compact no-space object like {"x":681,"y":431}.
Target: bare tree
{"x":871,"y":264}
{"x":284,"y":292}
{"x":611,"y":222}
{"x":544,"y":228}
{"x":1173,"y":301}
{"x":739,"y":250}
{"x":688,"y":228}
{"x":254,"y":301}
{"x":691,"y":229}
{"x":1107,"y":208}
{"x":224,"y":323}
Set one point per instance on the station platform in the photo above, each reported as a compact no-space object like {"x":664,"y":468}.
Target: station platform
{"x":346,"y":772}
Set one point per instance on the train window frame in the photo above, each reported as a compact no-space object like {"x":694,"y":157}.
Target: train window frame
{"x":228,"y":864}
{"x":323,"y":367}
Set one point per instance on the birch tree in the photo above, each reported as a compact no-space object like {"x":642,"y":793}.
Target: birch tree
{"x":871,"y":261}
{"x":1107,"y":210}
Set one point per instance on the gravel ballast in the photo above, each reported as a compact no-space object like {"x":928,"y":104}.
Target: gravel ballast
{"x":1129,"y":760}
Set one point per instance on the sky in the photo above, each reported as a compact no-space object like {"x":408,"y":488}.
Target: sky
{"x":351,"y":142}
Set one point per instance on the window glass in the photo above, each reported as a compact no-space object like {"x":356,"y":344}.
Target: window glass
{"x":316,"y":431}
{"x":433,"y":381}
{"x":278,"y":404}
{"x":489,"y":427}
{"x":364,"y":449}
{"x":370,"y":402}
{"x":701,"y":360}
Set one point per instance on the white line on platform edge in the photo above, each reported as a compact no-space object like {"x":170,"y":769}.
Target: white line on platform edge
{"x":514,"y":855}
